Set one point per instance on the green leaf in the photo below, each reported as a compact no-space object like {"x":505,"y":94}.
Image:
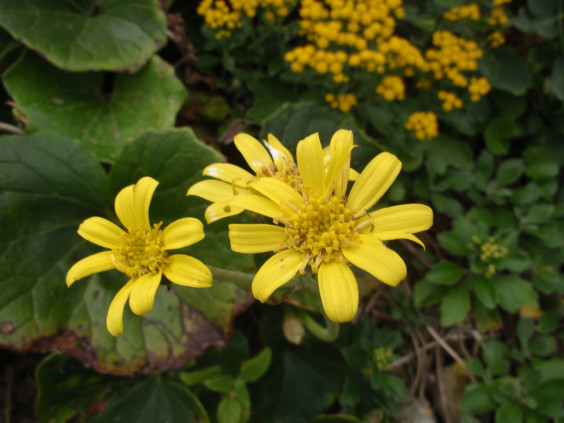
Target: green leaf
{"x":498,"y":134}
{"x":525,"y":330}
{"x":509,"y":171}
{"x":476,"y":399}
{"x":540,"y":163}
{"x":229,"y":410}
{"x":495,"y":355}
{"x":269,"y":95}
{"x":538,"y":213}
{"x":543,"y":346}
{"x":426,"y":293}
{"x":455,"y":305}
{"x":88,"y":35}
{"x":254,"y":368}
{"x":484,"y":169}
{"x":509,"y":413}
{"x":221,"y":383}
{"x":513,"y":292}
{"x":77,"y":107}
{"x":558,"y":78}
{"x":506,"y":71}
{"x":199,"y":376}
{"x":456,"y":241}
{"x":484,"y":289}
{"x":445,"y":273}
{"x":516,"y":261}
{"x":446,"y":205}
{"x":380,"y":117}
{"x":156,"y":399}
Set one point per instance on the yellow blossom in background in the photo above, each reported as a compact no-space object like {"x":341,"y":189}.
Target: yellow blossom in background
{"x":496,"y":39}
{"x":497,"y":17}
{"x":470,"y":11}
{"x":490,"y":251}
{"x":318,"y":224}
{"x":423,"y":124}
{"x":140,"y":253}
{"x":478,"y":88}
{"x":391,"y":88}
{"x":343,"y":102}
{"x":450,"y":100}
{"x":272,"y":160}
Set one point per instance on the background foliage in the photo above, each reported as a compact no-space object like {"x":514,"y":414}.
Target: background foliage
{"x":98,"y":93}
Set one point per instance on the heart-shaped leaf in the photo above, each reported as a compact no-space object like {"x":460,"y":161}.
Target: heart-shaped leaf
{"x":88,"y":35}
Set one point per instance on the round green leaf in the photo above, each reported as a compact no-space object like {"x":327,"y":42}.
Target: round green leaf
{"x":509,"y":412}
{"x":229,"y":410}
{"x":455,"y":305}
{"x":79,"y":106}
{"x":255,"y":367}
{"x":445,"y":273}
{"x":88,"y":35}
{"x":506,"y":71}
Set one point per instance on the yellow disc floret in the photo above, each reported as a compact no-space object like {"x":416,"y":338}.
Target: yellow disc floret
{"x":141,"y":252}
{"x":424,"y":125}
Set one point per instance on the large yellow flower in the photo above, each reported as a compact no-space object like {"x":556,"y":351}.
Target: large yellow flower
{"x":317,"y":224}
{"x":272,"y":160}
{"x":140,"y":252}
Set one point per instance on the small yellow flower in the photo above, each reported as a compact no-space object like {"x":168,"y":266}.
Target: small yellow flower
{"x":140,"y":253}
{"x":317,"y":224}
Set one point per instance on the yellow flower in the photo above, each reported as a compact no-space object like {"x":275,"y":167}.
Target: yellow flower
{"x":140,"y":252}
{"x":273,"y":160}
{"x":318,"y":224}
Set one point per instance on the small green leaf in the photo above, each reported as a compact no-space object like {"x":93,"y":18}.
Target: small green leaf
{"x":495,"y":355}
{"x":538,"y":213}
{"x":254,"y":368}
{"x":498,"y":134}
{"x":484,"y":289}
{"x":87,"y":36}
{"x":543,"y":346}
{"x":199,"y":376}
{"x":445,"y":273}
{"x":456,"y":241}
{"x":509,"y":413}
{"x":516,"y":261}
{"x":446,"y":205}
{"x":540,"y":163}
{"x":426,"y":293}
{"x":476,"y":399}
{"x":509,"y":171}
{"x":513,"y":292}
{"x":455,"y":306}
{"x":229,"y":410}
{"x":506,"y":71}
{"x":525,"y":330}
{"x":558,"y":78}
{"x":221,"y":383}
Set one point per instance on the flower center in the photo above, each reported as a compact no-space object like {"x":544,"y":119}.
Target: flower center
{"x":322,"y":229}
{"x":141,"y":252}
{"x":289,"y":173}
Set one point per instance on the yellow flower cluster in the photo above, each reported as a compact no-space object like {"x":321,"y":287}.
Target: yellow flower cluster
{"x":453,"y":56}
{"x":497,"y":17}
{"x":478,"y":88}
{"x":490,"y":251}
{"x":423,"y":124}
{"x":391,"y":88}
{"x":496,"y":39}
{"x":470,"y":11}
{"x":357,"y":34}
{"x":382,"y":358}
{"x":343,"y":102}
{"x":450,"y":100}
{"x":223,"y":16}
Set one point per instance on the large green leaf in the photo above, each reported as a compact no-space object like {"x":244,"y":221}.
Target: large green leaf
{"x":88,"y":35}
{"x":82,"y":107}
{"x":47,"y":187}
{"x":506,"y":71}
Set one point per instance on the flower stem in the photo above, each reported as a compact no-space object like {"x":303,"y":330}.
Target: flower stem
{"x":328,"y":333}
{"x":241,"y":279}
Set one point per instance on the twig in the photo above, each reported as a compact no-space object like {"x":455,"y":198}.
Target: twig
{"x":442,"y":394}
{"x":418,"y":371}
{"x":407,"y":358}
{"x":6,"y":127}
{"x":416,"y":253}
{"x":450,"y":351}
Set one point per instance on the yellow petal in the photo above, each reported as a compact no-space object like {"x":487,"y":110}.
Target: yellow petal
{"x":256,"y":204}
{"x":182,"y":233}
{"x":339,"y":163}
{"x":278,"y":191}
{"x":402,"y":221}
{"x":254,"y":153}
{"x":132,"y":203}
{"x":143,"y":293}
{"x":220,"y":209}
{"x":99,"y":262}
{"x":310,"y":162}
{"x":114,"y":320}
{"x":255,"y":238}
{"x":188,"y":271}
{"x":338,"y":290}
{"x":280,"y":154}
{"x":101,"y":232}
{"x":353,"y":174}
{"x":374,"y":181}
{"x":229,"y":173}
{"x":275,"y":272}
{"x":143,"y":192}
{"x":211,"y":190}
{"x":381,"y":262}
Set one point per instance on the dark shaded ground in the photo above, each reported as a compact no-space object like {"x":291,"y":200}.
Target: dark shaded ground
{"x":17,"y":387}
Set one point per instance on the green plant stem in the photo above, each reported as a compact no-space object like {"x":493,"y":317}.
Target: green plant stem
{"x":241,"y":279}
{"x":328,"y":333}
